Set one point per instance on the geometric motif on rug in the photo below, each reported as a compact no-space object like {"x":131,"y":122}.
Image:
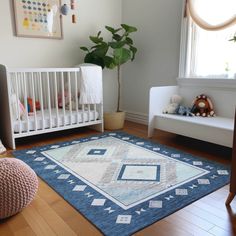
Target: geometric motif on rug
{"x":123,"y":183}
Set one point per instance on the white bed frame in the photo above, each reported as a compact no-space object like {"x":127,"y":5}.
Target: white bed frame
{"x":43,"y":85}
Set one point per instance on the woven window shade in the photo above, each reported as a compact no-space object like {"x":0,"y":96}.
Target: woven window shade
{"x":205,"y":13}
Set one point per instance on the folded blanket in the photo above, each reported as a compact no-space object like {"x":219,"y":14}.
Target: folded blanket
{"x":90,"y":84}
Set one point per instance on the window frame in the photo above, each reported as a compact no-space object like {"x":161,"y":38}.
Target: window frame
{"x":185,"y":52}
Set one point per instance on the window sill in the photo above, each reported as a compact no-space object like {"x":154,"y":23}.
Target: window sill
{"x":229,"y":84}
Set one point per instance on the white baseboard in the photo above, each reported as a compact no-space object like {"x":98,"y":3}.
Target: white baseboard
{"x":137,"y":117}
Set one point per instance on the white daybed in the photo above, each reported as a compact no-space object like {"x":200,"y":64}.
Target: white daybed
{"x":61,"y":95}
{"x":218,"y":130}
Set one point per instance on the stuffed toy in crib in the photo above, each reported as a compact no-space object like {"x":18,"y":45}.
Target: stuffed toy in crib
{"x":31,"y":105}
{"x":18,"y":109}
{"x":202,"y":106}
{"x":67,"y":101}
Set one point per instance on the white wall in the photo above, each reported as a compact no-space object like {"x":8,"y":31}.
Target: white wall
{"x":157,"y":40}
{"x":93,"y":15}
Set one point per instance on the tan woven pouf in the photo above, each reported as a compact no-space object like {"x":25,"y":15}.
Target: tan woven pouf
{"x":18,"y":186}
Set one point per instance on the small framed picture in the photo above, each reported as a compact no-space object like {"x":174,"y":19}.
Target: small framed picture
{"x":38,"y":18}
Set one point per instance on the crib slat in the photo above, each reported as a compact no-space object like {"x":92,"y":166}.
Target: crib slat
{"x":76,"y":98}
{"x":18,"y":115}
{"x":89,"y":110}
{"x":25,"y":101}
{"x":63,"y":98}
{"x":95,"y":111}
{"x":34,"y":100}
{"x":49,"y":100}
{"x":41,"y":99}
{"x":83,"y":111}
{"x":70,"y":102}
{"x":56,"y":98}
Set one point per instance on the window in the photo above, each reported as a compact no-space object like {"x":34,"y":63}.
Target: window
{"x":210,"y":26}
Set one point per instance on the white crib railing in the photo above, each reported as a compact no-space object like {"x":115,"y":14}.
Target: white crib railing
{"x":44,"y":100}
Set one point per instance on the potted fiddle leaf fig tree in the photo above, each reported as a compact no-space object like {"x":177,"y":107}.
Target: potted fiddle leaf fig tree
{"x":112,"y":54}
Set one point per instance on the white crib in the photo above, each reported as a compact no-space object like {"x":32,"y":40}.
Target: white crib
{"x":42,"y":100}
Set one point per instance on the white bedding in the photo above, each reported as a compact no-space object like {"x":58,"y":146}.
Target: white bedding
{"x":69,"y":119}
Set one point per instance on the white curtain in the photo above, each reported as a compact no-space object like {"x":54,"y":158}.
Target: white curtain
{"x":212,"y":15}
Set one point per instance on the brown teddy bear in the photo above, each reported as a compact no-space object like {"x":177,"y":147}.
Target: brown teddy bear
{"x":202,"y":106}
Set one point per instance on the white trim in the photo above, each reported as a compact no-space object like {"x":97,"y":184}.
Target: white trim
{"x":183,"y":42}
{"x":16,"y":70}
{"x":137,"y":117}
{"x":223,"y":84}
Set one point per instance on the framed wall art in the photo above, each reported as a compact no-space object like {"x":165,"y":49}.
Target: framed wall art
{"x":38,"y":18}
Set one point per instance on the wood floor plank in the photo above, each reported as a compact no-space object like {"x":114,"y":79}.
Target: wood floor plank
{"x":193,"y":219}
{"x":215,"y":220}
{"x":5,"y":230}
{"x":17,"y":222}
{"x":57,"y":224}
{"x":60,"y":206}
{"x":187,"y":226}
{"x":82,"y":227}
{"x":217,"y":231}
{"x":51,"y":195}
{"x":26,"y":231}
{"x":75,"y":221}
{"x":213,"y":207}
{"x":165,"y":228}
{"x":39,"y":226}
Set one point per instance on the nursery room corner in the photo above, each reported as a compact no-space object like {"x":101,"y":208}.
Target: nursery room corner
{"x":118,"y":117}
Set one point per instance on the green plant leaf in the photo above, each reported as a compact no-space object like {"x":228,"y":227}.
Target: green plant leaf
{"x":128,"y":28}
{"x":129,"y":41}
{"x":119,"y":44}
{"x":111,"y":53}
{"x":101,"y":50}
{"x":109,"y":62}
{"x":84,"y":49}
{"x":109,"y":28}
{"x":94,"y":59}
{"x":117,"y":37}
{"x":133,"y":50}
{"x":96,"y":39}
{"x":112,"y":30}
{"x":233,"y":39}
{"x":95,"y":46}
{"x":121,"y":55}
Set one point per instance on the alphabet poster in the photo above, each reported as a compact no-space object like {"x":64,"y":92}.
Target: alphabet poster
{"x":38,"y":18}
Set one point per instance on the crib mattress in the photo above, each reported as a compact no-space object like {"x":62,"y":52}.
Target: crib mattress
{"x":62,"y":120}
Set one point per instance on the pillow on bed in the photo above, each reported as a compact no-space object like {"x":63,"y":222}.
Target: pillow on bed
{"x":18,"y":109}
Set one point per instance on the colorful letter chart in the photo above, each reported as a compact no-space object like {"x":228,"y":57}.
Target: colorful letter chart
{"x":38,"y":18}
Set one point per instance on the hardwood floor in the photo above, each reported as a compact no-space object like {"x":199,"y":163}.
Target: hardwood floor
{"x":49,"y":214}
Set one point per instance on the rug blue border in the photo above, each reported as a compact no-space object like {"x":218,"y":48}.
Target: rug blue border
{"x":102,"y":217}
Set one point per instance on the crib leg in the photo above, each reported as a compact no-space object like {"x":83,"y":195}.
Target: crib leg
{"x":98,"y":127}
{"x":9,"y":142}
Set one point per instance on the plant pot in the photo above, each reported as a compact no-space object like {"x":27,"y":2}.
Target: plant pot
{"x":114,"y":120}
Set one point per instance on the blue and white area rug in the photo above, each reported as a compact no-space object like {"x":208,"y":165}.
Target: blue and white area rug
{"x":122,"y":183}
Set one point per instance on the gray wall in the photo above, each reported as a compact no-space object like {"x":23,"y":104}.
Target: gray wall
{"x":158,"y":43}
